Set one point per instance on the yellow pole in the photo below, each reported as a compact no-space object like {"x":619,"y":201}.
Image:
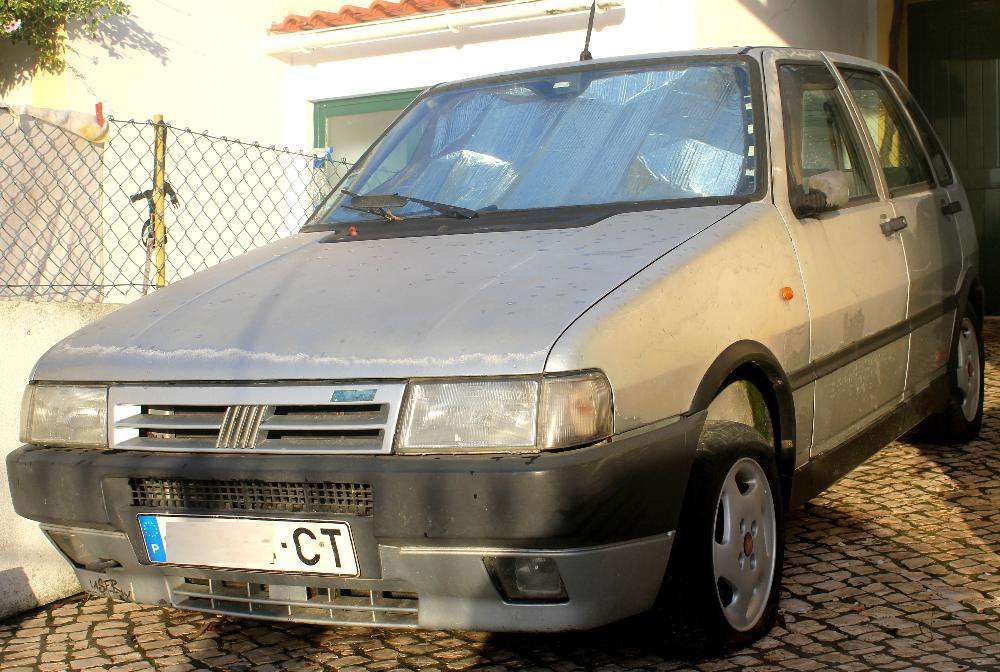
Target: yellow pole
{"x":159,"y":198}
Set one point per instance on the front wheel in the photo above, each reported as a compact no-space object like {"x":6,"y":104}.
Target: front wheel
{"x":744,"y":544}
{"x":725,"y":573}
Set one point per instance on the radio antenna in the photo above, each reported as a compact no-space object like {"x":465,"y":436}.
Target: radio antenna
{"x":585,"y":55}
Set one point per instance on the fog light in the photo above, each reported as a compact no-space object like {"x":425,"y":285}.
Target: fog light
{"x":526,"y":579}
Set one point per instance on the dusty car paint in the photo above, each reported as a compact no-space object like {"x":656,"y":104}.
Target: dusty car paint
{"x":846,"y":328}
{"x":720,"y":287}
{"x":455,"y":305}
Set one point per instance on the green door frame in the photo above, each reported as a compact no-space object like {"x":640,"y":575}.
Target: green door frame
{"x":378,"y":102}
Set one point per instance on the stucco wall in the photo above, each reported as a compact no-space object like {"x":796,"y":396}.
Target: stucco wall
{"x":845,"y":26}
{"x":205,"y":65}
{"x":31,"y":571}
{"x":648,"y":26}
{"x":198,"y":63}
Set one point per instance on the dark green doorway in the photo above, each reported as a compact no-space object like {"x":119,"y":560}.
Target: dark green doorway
{"x":954,"y":72}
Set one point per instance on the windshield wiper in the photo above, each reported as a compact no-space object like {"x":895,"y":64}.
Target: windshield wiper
{"x":444,"y":208}
{"x":381,"y":209}
{"x":380,"y":204}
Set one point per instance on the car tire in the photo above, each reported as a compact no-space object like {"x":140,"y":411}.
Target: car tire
{"x":732,"y":507}
{"x":962,"y":418}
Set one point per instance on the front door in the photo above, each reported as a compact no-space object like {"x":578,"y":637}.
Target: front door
{"x":855,"y":275}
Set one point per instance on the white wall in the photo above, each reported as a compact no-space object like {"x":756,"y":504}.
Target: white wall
{"x":203,"y":64}
{"x":31,"y":571}
{"x":198,"y":63}
{"x":846,"y":26}
{"x":649,"y":26}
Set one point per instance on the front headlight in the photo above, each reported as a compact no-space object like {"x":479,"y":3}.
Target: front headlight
{"x":65,"y":415}
{"x":506,"y":415}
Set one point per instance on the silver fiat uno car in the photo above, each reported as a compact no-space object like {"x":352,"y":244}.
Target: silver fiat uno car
{"x":563,"y":347}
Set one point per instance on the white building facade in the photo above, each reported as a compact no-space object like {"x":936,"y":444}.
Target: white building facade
{"x":219,"y":66}
{"x":338,"y":76}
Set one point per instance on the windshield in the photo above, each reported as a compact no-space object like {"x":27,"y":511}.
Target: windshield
{"x":656,"y":133}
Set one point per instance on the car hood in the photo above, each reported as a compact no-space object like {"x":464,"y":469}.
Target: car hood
{"x":453,"y":305}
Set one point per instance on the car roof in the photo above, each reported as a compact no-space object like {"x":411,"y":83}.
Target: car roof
{"x":569,"y":66}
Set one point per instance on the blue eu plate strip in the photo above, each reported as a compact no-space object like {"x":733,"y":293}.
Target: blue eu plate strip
{"x":151,"y":535}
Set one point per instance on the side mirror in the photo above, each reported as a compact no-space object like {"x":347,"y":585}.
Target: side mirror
{"x":822,"y":192}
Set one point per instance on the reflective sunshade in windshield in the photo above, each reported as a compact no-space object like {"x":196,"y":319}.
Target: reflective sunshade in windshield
{"x":672,"y":131}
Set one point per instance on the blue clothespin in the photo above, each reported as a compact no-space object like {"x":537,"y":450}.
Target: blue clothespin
{"x":320,"y":160}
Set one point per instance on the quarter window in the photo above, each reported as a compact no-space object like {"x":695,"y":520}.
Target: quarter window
{"x":939,"y":161}
{"x":899,"y":153}
{"x":819,"y":135}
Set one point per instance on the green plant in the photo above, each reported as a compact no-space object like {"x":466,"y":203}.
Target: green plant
{"x":41,"y":23}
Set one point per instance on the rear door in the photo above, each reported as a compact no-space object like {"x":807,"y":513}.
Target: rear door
{"x":855,"y":276}
{"x":930,"y":240}
{"x":955,"y":203}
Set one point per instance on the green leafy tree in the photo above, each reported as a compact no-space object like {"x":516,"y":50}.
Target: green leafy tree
{"x":41,"y":24}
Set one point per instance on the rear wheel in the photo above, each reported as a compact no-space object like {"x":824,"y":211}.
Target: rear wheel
{"x":725,"y":569}
{"x":962,"y":418}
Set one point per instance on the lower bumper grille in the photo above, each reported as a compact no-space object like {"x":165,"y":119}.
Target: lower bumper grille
{"x":245,"y":495}
{"x":298,"y":604}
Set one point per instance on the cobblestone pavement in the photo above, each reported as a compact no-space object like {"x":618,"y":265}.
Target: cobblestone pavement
{"x":895,"y":568}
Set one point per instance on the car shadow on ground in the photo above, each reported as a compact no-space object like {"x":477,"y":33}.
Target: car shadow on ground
{"x":973,"y":469}
{"x":638,"y":642}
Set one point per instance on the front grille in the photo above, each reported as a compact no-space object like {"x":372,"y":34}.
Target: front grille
{"x":267,"y":419}
{"x":265,"y":496}
{"x":299,"y":604}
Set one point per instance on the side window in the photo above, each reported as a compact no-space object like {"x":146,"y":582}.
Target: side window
{"x":820,"y":139}
{"x":900,"y":154}
{"x":939,"y":161}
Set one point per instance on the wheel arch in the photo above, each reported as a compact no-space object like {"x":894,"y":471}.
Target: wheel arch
{"x":973,"y":293}
{"x":754,"y":363}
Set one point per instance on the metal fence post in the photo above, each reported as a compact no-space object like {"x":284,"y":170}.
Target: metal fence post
{"x":159,"y":197}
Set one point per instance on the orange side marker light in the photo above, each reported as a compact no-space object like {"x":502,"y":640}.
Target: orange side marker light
{"x":787,"y":294}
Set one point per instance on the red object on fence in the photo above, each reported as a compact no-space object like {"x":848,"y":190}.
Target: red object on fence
{"x":99,"y":110}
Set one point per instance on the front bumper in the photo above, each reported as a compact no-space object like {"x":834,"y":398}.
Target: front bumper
{"x":605,"y":514}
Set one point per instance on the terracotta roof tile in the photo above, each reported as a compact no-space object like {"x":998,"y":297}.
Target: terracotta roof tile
{"x":379,"y":10}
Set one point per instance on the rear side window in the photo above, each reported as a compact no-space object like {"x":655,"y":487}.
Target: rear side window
{"x":819,"y":135}
{"x":899,"y":153}
{"x":939,"y":161}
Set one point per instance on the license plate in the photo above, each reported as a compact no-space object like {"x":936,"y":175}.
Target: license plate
{"x":249,"y":543}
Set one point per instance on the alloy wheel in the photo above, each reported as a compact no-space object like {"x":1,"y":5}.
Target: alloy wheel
{"x":969,"y":369}
{"x":744,"y":540}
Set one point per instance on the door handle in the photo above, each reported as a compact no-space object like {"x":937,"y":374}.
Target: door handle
{"x":891,"y":226}
{"x":952,"y":208}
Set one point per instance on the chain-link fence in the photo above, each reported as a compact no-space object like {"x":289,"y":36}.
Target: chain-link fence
{"x":151,"y":204}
